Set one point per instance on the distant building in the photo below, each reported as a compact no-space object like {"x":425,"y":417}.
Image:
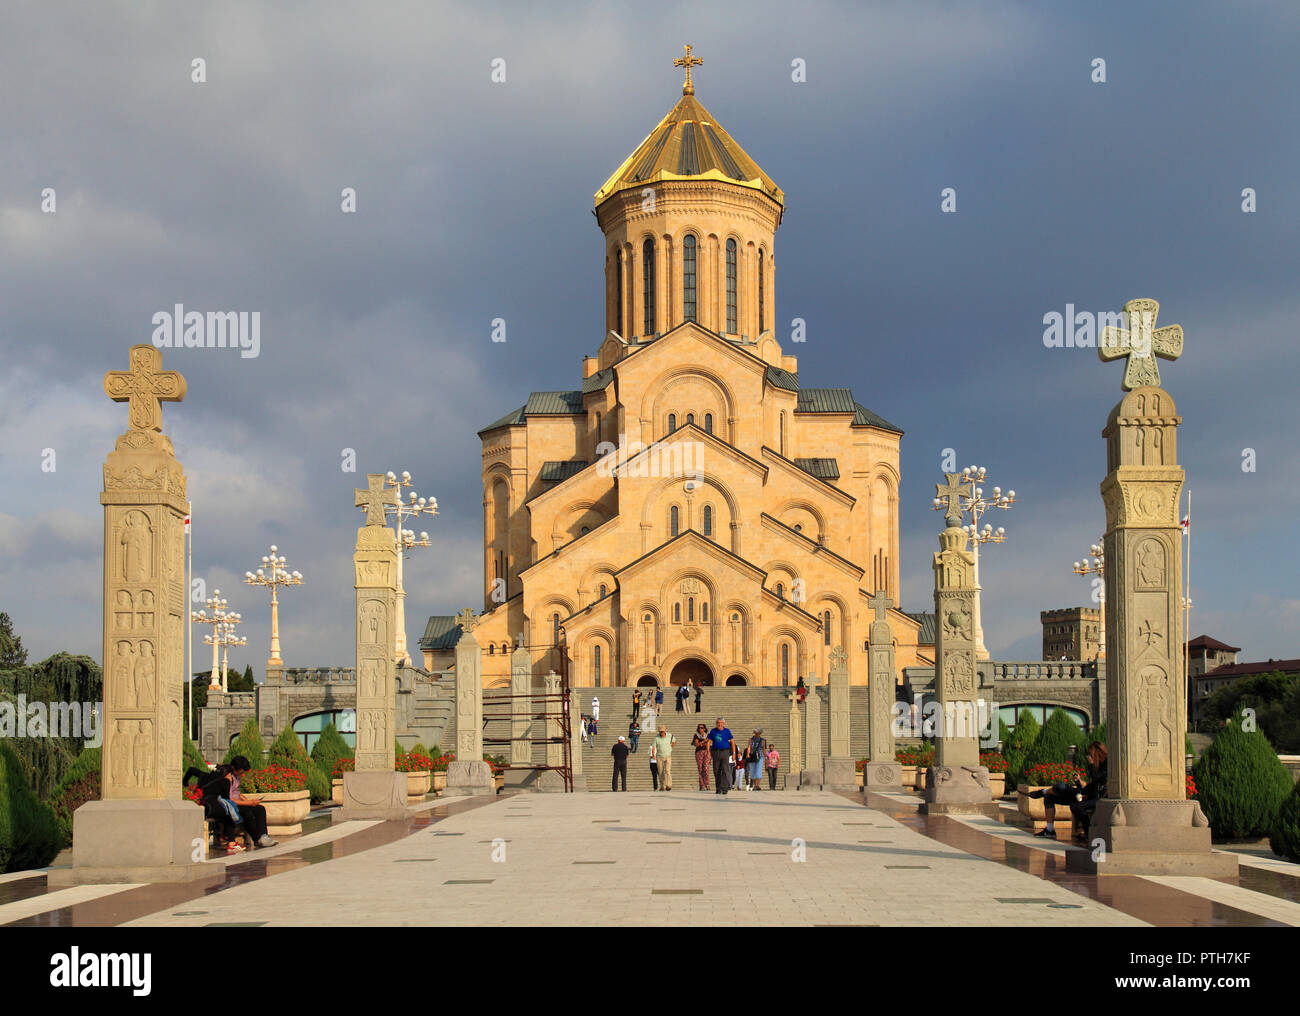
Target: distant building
{"x":1071,"y":633}
{"x":1212,"y":665}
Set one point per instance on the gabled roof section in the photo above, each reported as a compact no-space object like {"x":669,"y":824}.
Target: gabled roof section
{"x":823,"y":469}
{"x":1205,"y":642}
{"x":840,"y":400}
{"x":553,"y":404}
{"x":779,"y":377}
{"x":866,"y":418}
{"x":925,"y":636}
{"x":442,"y":632}
{"x":556,"y":470}
{"x":597,"y":381}
{"x":512,"y":419}
{"x":689,"y":143}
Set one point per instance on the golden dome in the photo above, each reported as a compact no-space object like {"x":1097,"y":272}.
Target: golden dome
{"x":689,"y":144}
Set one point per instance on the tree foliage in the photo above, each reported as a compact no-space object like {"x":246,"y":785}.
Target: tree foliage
{"x":1240,"y":783}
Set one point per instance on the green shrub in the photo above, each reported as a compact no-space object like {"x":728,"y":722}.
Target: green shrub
{"x":1187,"y":746}
{"x":1022,"y":738}
{"x":1097,"y":735}
{"x":1240,"y":783}
{"x":249,"y":744}
{"x":79,"y":785}
{"x":1275,"y":700}
{"x":1284,"y":838}
{"x":287,"y":750}
{"x":329,"y":748}
{"x":1053,"y":742}
{"x":419,"y":749}
{"x":29,"y":833}
{"x":397,"y":747}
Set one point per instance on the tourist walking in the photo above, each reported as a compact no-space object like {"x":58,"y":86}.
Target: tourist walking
{"x":654,"y":767}
{"x":659,"y":699}
{"x":699,"y":694}
{"x":633,"y":736}
{"x":586,"y":733}
{"x":754,"y":757}
{"x":619,"y":751}
{"x":680,"y":696}
{"x":663,"y":749}
{"x":720,"y":742}
{"x":595,"y":715}
{"x":700,"y":742}
{"x":773,"y":763}
{"x":636,"y":703}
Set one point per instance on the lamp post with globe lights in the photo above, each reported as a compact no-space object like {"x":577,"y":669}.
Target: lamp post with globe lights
{"x":229,"y":638}
{"x":970,"y":500}
{"x":274,"y":574}
{"x":1096,"y":565}
{"x":406,"y":540}
{"x":214,"y":613}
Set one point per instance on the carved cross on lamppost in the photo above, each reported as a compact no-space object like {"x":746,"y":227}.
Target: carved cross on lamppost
{"x":952,"y":495}
{"x":374,"y":499}
{"x":145,"y":386}
{"x":1141,"y":342}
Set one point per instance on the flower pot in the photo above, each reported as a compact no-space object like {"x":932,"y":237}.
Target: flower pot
{"x":922,"y":777}
{"x":997,"y":784}
{"x":1034,"y":808}
{"x":907,"y":775}
{"x":285,"y":811}
{"x":439,"y":780}
{"x":336,"y":791}
{"x":417,"y":785}
{"x":859,"y":779}
{"x":499,"y":780}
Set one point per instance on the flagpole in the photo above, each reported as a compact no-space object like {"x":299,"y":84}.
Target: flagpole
{"x":189,"y":584}
{"x":1187,"y":609}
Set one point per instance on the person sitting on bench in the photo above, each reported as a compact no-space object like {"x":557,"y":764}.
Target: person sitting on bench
{"x":1081,"y":798}
{"x":221,"y":796}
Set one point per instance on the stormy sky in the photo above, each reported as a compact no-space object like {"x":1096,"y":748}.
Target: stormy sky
{"x":474,"y":203}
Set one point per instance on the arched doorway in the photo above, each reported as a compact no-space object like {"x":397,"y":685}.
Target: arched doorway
{"x":647,"y":681}
{"x":735,"y":680}
{"x":691,"y":669}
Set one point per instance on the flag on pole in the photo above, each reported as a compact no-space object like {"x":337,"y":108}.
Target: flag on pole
{"x":1186,"y":524}
{"x":187,"y":524}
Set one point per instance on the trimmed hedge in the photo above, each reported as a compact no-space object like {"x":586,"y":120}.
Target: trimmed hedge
{"x":1284,"y":838}
{"x":249,"y":743}
{"x":81,"y":783}
{"x":329,"y":748}
{"x":287,"y":750}
{"x":29,"y":833}
{"x":1240,"y":783}
{"x":1053,"y":743}
{"x":1017,"y":747}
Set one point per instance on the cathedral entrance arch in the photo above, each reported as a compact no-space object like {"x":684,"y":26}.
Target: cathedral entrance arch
{"x":736,"y":680}
{"x":647,"y":681}
{"x":692,"y":669}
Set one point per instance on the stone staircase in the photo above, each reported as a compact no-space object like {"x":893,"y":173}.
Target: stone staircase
{"x":742,"y":708}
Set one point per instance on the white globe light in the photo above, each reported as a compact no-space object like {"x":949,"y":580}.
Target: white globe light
{"x":274,"y":548}
{"x":424,"y":536}
{"x":1011,"y":494}
{"x":1001,"y":530}
{"x":405,"y":475}
{"x":392,"y":475}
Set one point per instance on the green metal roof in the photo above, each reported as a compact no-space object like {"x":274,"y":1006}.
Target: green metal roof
{"x":598,"y":380}
{"x":866,"y":418}
{"x":823,"y":469}
{"x":557,"y":470}
{"x":511,"y":419}
{"x":826,"y":400}
{"x":925,"y":636}
{"x":553,"y":404}
{"x":442,"y":632}
{"x":782,"y":378}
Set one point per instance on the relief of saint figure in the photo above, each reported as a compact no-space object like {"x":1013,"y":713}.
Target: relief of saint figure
{"x":137,"y":545}
{"x":124,"y":676}
{"x":373,"y":628}
{"x":1151,"y":565}
{"x":145,"y":671}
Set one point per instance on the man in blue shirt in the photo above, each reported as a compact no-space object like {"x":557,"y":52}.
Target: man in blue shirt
{"x":720,"y":748}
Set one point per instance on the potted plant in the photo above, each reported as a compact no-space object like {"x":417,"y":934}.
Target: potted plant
{"x":860,"y":766}
{"x":417,"y":768}
{"x":916,"y":763}
{"x":1045,"y":774}
{"x":995,"y":762}
{"x":343,"y":765}
{"x":284,"y":794}
{"x":439,"y":766}
{"x":498,"y":763}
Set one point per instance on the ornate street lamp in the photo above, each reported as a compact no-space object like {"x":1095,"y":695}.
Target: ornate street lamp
{"x":1096,"y":565}
{"x":223,"y":627}
{"x":273,"y":574}
{"x":971,"y":501}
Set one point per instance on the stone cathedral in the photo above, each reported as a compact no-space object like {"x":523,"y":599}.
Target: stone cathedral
{"x":691,"y":511}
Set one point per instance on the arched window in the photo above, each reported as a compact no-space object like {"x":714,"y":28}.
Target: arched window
{"x":648,"y":268}
{"x":690,"y":608}
{"x":618,"y":290}
{"x":826,"y":628}
{"x":708,"y":423}
{"x":492,"y":650}
{"x":781,"y":436}
{"x":674,"y":516}
{"x":584,"y":531}
{"x":597,"y":428}
{"x":690,"y":417}
{"x":677,"y":613}
{"x":555,"y":628}
{"x":785,"y":663}
{"x":602,"y":590}
{"x":648,"y":618}
{"x":595,"y":662}
{"x":505,"y":648}
{"x":731,"y":287}
{"x":672,"y":422}
{"x":708,"y":520}
{"x":780,"y":591}
{"x":688,"y":277}
{"x":704,"y":613}
{"x":762,"y":308}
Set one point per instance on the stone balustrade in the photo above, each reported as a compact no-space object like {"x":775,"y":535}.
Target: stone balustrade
{"x":1041,"y":670}
{"x":320,"y":675}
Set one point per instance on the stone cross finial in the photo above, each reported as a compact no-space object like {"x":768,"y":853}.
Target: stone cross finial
{"x":839,"y":658}
{"x":1141,"y":342}
{"x":880,"y":603}
{"x":145,"y":386}
{"x":467,"y":620}
{"x":688,"y":62}
{"x":952,"y":495}
{"x":374,"y":498}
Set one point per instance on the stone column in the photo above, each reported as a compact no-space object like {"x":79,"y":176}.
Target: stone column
{"x":375,"y":790}
{"x":550,"y":781}
{"x":1145,"y":824}
{"x":812,"y":744}
{"x":142,"y":830}
{"x":883,"y":771}
{"x":521,"y":706}
{"x":957,"y":784}
{"x":839,"y":773}
{"x":469,"y":774}
{"x":795,"y":754}
{"x":575,"y":742}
